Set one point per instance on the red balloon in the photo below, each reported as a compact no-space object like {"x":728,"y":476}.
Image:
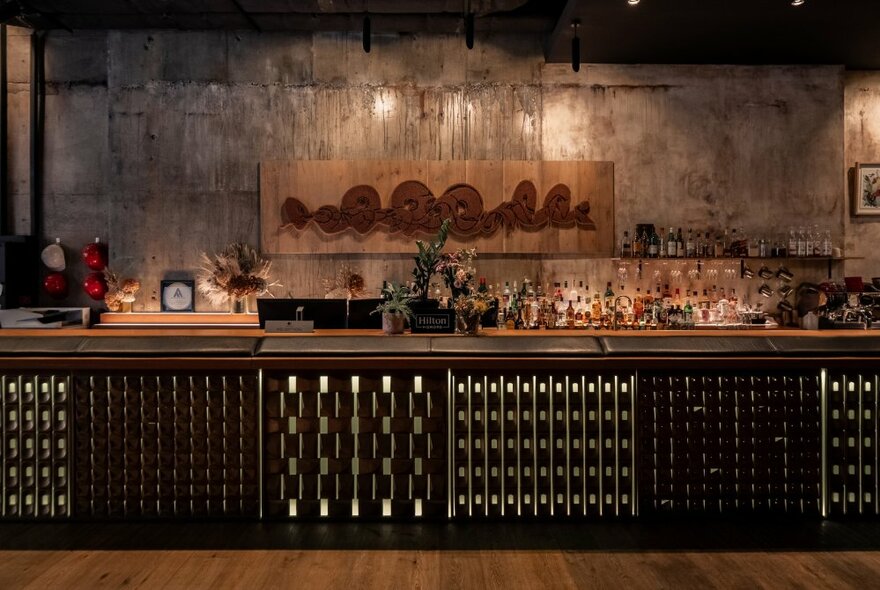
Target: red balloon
{"x":95,"y":286}
{"x":55,"y":285}
{"x":95,"y":255}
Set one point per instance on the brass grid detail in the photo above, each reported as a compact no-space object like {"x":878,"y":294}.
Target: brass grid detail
{"x":726,"y":443}
{"x":542,"y":445}
{"x":35,"y":455}
{"x":851,"y":444}
{"x":365,"y":445}
{"x":166,"y":445}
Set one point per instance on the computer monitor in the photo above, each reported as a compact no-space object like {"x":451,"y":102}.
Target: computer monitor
{"x":326,"y":313}
{"x":360,"y":316}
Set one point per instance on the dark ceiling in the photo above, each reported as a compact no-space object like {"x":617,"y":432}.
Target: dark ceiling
{"x":611,"y":31}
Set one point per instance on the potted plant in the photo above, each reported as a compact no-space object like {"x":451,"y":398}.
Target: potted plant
{"x":469,"y":309}
{"x":426,"y":264}
{"x":395,"y":309}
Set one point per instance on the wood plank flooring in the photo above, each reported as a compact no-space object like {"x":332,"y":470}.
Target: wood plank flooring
{"x":502,"y":570}
{"x":688,"y":553}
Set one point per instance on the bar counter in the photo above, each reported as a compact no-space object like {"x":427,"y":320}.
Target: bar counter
{"x":223,"y":423}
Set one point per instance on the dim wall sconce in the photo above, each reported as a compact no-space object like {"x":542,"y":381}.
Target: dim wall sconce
{"x":575,"y":47}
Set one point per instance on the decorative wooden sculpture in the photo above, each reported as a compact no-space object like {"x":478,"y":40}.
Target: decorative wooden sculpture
{"x":415,"y":210}
{"x":379,"y":206}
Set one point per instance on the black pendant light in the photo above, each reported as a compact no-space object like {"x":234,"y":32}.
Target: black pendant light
{"x":367,"y":33}
{"x":469,"y":30}
{"x":575,"y":47}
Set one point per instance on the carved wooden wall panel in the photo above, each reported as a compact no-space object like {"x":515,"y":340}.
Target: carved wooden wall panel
{"x":157,"y":445}
{"x":730,"y":443}
{"x":355,"y":445}
{"x":381,"y":206}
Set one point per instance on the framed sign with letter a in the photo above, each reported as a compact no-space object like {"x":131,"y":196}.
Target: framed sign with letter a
{"x":178,"y":295}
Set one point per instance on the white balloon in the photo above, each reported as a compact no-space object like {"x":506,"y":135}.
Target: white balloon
{"x":53,"y":257}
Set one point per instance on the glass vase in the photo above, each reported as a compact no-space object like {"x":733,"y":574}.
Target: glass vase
{"x":238,"y":305}
{"x":469,"y":325}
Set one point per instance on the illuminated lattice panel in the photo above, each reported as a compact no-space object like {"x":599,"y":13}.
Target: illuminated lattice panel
{"x":166,"y":446}
{"x":35,"y":446}
{"x":542,"y":445}
{"x":365,"y":445}
{"x":852,"y":487}
{"x":729,"y":443}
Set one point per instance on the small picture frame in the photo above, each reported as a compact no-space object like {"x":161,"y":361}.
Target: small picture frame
{"x":867,"y":190}
{"x":178,"y":296}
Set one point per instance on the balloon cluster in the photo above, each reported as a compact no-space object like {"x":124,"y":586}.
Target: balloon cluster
{"x":95,"y":257}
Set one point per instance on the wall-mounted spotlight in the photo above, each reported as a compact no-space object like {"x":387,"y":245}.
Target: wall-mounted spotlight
{"x":469,"y":30}
{"x":367,"y":34}
{"x":797,"y":2}
{"x":575,"y":47}
{"x":633,"y":2}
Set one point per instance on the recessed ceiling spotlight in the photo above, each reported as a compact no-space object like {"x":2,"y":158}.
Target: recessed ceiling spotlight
{"x":798,"y":2}
{"x":632,"y":2}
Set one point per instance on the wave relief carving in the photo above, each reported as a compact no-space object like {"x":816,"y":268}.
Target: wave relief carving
{"x":414,"y":210}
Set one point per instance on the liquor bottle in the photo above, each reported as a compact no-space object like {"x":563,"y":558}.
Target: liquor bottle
{"x":569,"y":315}
{"x":713,"y":296}
{"x":801,"y":243}
{"x":654,"y":245}
{"x":518,"y":323}
{"x":827,"y":245}
{"x":677,"y":299}
{"x":719,"y":245}
{"x":505,"y":297}
{"x":626,"y":246}
{"x":810,"y":239}
{"x":638,"y":306}
{"x":596,"y":307}
{"x":667,"y":297}
{"x":728,"y":243}
{"x":579,"y":313}
{"x":671,"y":244}
{"x":609,"y":296}
{"x":679,"y":245}
{"x":792,"y":243}
{"x":690,"y":247}
{"x":572,"y":295}
{"x":637,"y":243}
{"x":482,"y":288}
{"x":510,"y":320}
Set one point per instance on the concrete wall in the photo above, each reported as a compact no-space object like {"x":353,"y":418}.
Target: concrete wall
{"x":862,"y":145}
{"x":154,"y":138}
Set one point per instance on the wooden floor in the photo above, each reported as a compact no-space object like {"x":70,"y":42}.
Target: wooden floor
{"x":316,"y":569}
{"x":700,"y":554}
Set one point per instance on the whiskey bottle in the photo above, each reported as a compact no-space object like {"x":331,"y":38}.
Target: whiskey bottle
{"x":690,"y":248}
{"x":570,"y":315}
{"x":671,"y":244}
{"x":626,"y":246}
{"x":679,"y":245}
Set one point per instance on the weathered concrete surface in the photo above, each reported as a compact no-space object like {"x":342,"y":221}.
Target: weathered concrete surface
{"x":862,"y":145}
{"x":167,"y":139}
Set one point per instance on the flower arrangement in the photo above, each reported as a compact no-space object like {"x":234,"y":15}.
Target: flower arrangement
{"x":457,"y":270}
{"x":235,"y":273}
{"x":120,"y":293}
{"x":427,"y":260}
{"x":472,"y":304}
{"x":348,"y":283}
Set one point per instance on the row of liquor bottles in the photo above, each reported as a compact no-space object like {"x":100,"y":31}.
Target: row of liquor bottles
{"x":564,"y":307}
{"x":800,"y":242}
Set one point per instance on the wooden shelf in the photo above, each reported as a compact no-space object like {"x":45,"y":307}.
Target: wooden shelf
{"x":165,"y":319}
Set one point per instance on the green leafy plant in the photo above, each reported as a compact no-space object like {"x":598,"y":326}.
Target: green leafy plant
{"x":397,"y":301}
{"x":427,"y":259}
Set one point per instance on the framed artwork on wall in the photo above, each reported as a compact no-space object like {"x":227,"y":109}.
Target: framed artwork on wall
{"x":178,"y":296}
{"x":867,"y":193}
